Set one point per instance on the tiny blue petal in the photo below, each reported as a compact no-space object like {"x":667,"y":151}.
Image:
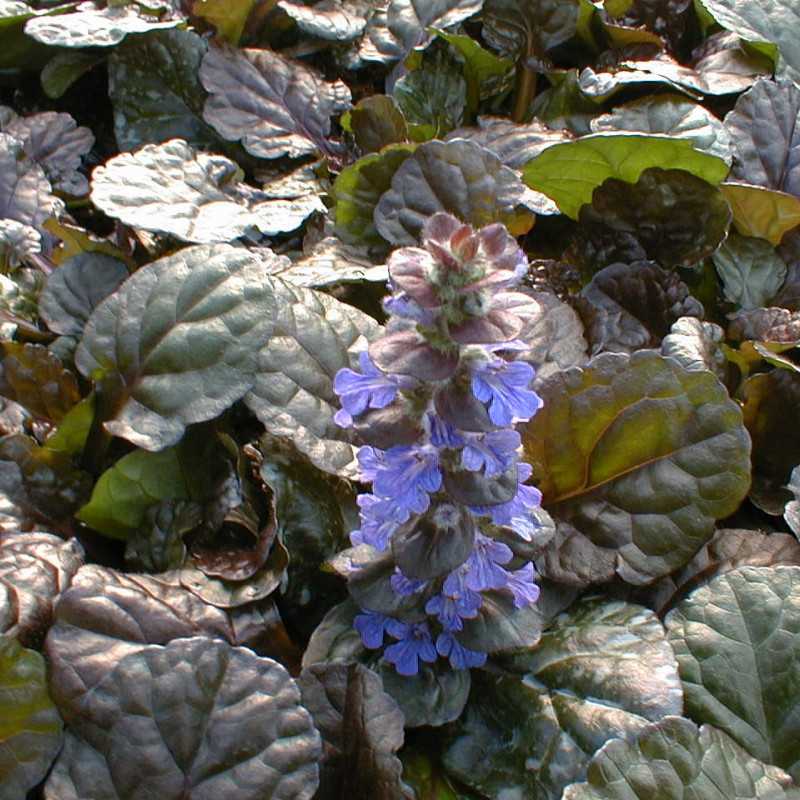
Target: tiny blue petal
{"x":460,"y":657}
{"x":493,"y":452}
{"x":503,"y":386}
{"x":522,"y":584}
{"x":414,"y":646}
{"x":370,"y":626}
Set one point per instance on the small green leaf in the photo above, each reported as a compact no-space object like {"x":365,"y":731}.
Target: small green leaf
{"x":124,"y":492}
{"x":30,"y":727}
{"x":377,"y":122}
{"x":570,"y":172}
{"x":762,"y":213}
{"x":66,"y":67}
{"x":227,"y":16}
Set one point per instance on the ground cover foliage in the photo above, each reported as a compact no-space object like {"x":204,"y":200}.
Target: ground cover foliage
{"x":266,"y":534}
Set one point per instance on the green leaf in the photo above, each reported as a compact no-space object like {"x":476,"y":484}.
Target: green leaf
{"x":636,"y":457}
{"x":377,"y":121}
{"x":227,"y":16}
{"x":197,"y":197}
{"x":750,"y":269}
{"x":30,"y":727}
{"x":66,"y":67}
{"x":178,"y":342}
{"x":570,"y":172}
{"x":602,"y":671}
{"x":359,"y":187}
{"x":459,"y":177}
{"x":424,"y":775}
{"x":137,"y":481}
{"x":155,"y":91}
{"x":762,"y":213}
{"x":736,"y":641}
{"x":311,"y":337}
{"x":769,"y":400}
{"x":672,"y":759}
{"x":180,"y":708}
{"x":772,"y":24}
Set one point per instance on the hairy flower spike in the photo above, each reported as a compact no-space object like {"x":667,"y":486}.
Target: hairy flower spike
{"x":444,"y":506}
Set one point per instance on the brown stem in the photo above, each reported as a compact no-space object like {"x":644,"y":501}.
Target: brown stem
{"x":524,"y":91}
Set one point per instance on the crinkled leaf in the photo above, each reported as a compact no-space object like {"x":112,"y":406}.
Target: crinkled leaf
{"x":630,"y":306}
{"x":636,"y":457}
{"x":125,"y":491}
{"x":361,"y":727}
{"x":30,"y":732}
{"x":459,"y":177}
{"x":377,"y":121}
{"x":766,"y":325}
{"x":760,"y":212}
{"x":555,"y":338}
{"x":274,"y":106}
{"x":736,"y":640}
{"x":32,"y":376}
{"x":76,"y":288}
{"x":766,"y":136}
{"x":35,"y":568}
{"x":327,"y":19}
{"x":18,"y":242}
{"x":181,"y":708}
{"x":227,"y":16}
{"x":770,"y":23}
{"x":696,"y":345}
{"x":178,"y":342}
{"x":671,"y":115}
{"x":106,"y":615}
{"x":91,"y":26}
{"x":750,"y":269}
{"x":570,"y":172}
{"x":25,"y":192}
{"x":432,"y":99}
{"x":770,"y":399}
{"x":520,"y":28}
{"x":311,"y":337}
{"x":515,"y":145}
{"x":157,"y":545}
{"x":155,"y":91}
{"x":728,"y":550}
{"x":331,"y":261}
{"x":603,"y":671}
{"x":55,"y":142}
{"x":171,"y":188}
{"x":359,"y":187}
{"x":673,"y":759}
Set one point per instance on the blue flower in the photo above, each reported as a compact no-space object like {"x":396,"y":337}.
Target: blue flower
{"x":492,"y":452}
{"x":441,"y":433}
{"x":404,"y":474}
{"x":515,"y":514}
{"x":456,"y":603}
{"x":379,"y":520}
{"x":370,"y":626}
{"x":372,"y":389}
{"x":484,"y":570}
{"x":460,"y":657}
{"x":401,"y":305}
{"x":522,"y":584}
{"x":404,"y":586}
{"x":504,"y":386}
{"x":414,"y":645}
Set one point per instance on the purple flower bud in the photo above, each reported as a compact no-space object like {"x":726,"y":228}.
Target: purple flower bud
{"x":460,"y":657}
{"x":492,"y":452}
{"x":503,"y":386}
{"x":372,"y":389}
{"x":522,"y":584}
{"x":370,"y":626}
{"x":414,"y":645}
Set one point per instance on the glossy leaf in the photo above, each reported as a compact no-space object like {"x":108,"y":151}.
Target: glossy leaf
{"x":519,"y":28}
{"x":180,"y":708}
{"x":751,"y":271}
{"x":325,"y":20}
{"x":35,"y":568}
{"x":570,"y":172}
{"x":171,"y":188}
{"x":30,"y":734}
{"x":630,"y":306}
{"x":331,"y":261}
{"x":603,"y":671}
{"x":672,"y":758}
{"x":91,"y":26}
{"x":456,"y":176}
{"x":696,"y":345}
{"x":274,"y":106}
{"x":762,"y":213}
{"x":735,"y":639}
{"x":624,"y":473}
{"x":377,"y":121}
{"x":791,"y":512}
{"x":312,"y":335}
{"x":432,"y":100}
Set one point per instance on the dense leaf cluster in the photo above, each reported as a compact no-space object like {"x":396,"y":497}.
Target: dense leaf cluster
{"x":398,"y":399}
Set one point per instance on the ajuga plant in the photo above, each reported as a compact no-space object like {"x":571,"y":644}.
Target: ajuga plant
{"x":448,"y":524}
